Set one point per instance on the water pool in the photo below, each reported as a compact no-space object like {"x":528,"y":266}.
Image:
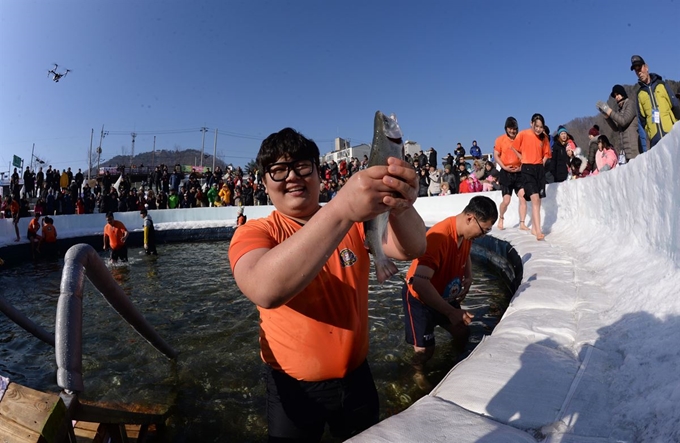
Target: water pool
{"x":215,"y":387}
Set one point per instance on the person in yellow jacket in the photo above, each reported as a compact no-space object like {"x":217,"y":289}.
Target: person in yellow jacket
{"x":63,"y":180}
{"x":658,"y":109}
{"x":225,"y":195}
{"x":149,"y":233}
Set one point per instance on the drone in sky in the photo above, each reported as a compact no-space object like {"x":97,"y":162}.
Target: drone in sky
{"x":56,"y":76}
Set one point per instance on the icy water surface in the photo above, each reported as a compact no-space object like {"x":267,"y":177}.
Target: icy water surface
{"x":215,"y":387}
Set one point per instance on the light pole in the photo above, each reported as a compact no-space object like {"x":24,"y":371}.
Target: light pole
{"x":203,"y":130}
{"x":89,"y":156}
{"x":99,"y":149}
{"x":214,"y":151}
{"x":132,"y":155}
{"x":153,"y":153}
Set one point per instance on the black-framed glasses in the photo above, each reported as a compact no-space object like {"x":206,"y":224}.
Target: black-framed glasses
{"x":484,"y":231}
{"x":280,"y":171}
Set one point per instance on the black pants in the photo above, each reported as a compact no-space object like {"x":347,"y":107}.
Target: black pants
{"x":299,"y":410}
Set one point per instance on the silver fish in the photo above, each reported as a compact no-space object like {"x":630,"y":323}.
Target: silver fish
{"x":387,"y":142}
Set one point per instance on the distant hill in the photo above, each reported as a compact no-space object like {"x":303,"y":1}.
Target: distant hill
{"x":579,"y":127}
{"x":165,"y":157}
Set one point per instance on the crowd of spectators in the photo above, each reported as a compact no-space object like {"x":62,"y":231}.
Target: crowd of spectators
{"x":455,"y":174}
{"x":57,"y":193}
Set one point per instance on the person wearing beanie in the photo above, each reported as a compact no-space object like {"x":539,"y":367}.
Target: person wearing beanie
{"x":593,"y":133}
{"x":622,"y":120}
{"x":510,"y":175}
{"x":557,"y":166}
{"x":658,"y":109}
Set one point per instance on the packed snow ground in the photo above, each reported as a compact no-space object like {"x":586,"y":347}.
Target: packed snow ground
{"x":588,"y":349}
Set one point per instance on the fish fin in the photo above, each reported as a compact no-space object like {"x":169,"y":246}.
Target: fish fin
{"x":384,"y":269}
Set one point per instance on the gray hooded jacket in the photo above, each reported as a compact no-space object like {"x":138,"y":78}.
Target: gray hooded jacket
{"x":624,"y":122}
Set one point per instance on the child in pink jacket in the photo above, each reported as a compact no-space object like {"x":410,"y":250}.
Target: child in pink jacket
{"x":605,"y":157}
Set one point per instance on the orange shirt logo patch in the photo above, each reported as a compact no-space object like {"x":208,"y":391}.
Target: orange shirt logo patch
{"x":347,"y":257}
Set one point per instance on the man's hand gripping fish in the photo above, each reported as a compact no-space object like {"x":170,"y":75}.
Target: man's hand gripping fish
{"x":387,"y":142}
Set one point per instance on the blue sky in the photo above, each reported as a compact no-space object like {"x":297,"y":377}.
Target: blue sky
{"x":450,"y":71}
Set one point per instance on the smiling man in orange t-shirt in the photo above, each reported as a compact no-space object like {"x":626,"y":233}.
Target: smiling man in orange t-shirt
{"x":306,"y":268}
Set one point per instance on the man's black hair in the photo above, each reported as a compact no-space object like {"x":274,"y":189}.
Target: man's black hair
{"x":511,"y":122}
{"x":483,"y":208}
{"x":109,"y":214}
{"x":289,"y":143}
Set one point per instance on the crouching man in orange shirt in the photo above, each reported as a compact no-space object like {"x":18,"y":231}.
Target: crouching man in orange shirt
{"x":313,"y":302}
{"x":438,"y":281}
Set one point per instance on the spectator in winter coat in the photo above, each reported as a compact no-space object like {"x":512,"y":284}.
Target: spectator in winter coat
{"x":557,"y":166}
{"x":451,"y":178}
{"x":622,"y":121}
{"x":432,"y":157}
{"x":658,"y":109}
{"x":478,"y":169}
{"x":593,"y":134}
{"x":460,"y":151}
{"x":578,"y":168}
{"x":435,"y":181}
{"x":225,"y":195}
{"x":424,"y":182}
{"x":173,"y":200}
{"x":575,"y":153}
{"x":475,"y":151}
{"x":212,"y":195}
{"x":606,"y":157}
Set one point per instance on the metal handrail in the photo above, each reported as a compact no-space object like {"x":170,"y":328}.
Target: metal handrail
{"x":83,"y":261}
{"x":20,"y":319}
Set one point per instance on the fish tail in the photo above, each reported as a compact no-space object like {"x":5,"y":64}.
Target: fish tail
{"x":384,"y":269}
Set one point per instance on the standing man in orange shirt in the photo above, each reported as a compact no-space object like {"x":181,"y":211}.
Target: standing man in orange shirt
{"x":15,"y":209}
{"x":438,"y":281}
{"x":532,"y":146}
{"x":306,"y":268}
{"x":510,"y":176}
{"x":32,"y":235}
{"x":115,"y":235}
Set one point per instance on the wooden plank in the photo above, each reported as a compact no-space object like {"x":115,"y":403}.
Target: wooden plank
{"x":119,"y":413}
{"x":40,"y":412}
{"x":13,"y":432}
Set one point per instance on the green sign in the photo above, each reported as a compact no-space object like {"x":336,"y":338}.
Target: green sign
{"x":16,"y":162}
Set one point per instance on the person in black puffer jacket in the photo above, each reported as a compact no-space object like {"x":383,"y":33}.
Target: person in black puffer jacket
{"x":557,"y":166}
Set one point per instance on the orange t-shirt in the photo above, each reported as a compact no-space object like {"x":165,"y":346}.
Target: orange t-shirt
{"x":321,"y":333}
{"x":532,"y":148}
{"x":33,"y":226}
{"x":505,"y":153}
{"x":49,"y":233}
{"x":14,"y":207}
{"x":442,"y":255}
{"x":115,"y":233}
